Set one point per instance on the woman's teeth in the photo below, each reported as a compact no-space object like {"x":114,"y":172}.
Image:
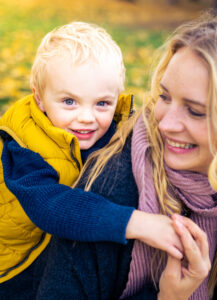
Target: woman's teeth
{"x":180,"y":145}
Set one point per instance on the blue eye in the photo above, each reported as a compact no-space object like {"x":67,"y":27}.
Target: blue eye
{"x":102,"y":103}
{"x":69,"y":101}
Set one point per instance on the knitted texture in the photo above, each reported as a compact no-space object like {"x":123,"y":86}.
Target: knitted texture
{"x":191,"y":188}
{"x":58,"y":209}
{"x":94,"y":271}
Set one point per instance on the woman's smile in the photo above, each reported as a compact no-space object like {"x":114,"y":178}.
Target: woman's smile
{"x":181,"y":113}
{"x":179,"y":147}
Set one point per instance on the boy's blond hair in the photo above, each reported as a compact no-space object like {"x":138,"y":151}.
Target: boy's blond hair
{"x":84,"y":43}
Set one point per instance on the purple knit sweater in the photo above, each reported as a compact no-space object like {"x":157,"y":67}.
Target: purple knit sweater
{"x":192,"y":188}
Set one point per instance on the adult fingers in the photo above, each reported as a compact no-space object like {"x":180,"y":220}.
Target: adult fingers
{"x":173,"y":268}
{"x":170,"y":279}
{"x":195,"y":244}
{"x":198,"y":234}
{"x":192,"y":251}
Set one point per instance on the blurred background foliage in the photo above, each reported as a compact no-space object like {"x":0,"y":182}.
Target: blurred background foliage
{"x":138,"y":26}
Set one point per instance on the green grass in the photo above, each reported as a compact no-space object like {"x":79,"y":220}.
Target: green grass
{"x":24,"y":23}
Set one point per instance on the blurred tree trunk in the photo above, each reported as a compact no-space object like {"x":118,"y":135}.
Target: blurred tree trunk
{"x":215,"y":4}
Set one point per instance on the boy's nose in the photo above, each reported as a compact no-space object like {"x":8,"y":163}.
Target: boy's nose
{"x":172,"y":121}
{"x":86,"y":116}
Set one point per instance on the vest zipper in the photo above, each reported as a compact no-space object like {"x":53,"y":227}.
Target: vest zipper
{"x":73,"y":157}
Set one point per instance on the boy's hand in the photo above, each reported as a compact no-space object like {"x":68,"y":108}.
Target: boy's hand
{"x":155,"y":230}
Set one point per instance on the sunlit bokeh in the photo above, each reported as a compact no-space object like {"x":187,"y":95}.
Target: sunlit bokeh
{"x":138,"y":26}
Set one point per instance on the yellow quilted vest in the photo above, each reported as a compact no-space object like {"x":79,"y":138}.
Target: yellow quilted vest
{"x":21,"y":242}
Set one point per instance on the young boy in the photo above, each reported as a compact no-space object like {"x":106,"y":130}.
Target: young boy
{"x":77,"y":77}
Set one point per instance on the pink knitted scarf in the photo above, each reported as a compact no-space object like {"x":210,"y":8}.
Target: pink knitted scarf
{"x":192,"y":188}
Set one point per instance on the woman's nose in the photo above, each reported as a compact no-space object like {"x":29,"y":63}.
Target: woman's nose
{"x":172,"y":120}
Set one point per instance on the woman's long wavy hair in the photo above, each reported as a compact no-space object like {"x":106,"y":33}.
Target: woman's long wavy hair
{"x":201,"y":37}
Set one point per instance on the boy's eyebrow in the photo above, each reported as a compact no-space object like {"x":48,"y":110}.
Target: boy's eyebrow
{"x":195,"y":102}
{"x":110,"y":96}
{"x":68,"y":93}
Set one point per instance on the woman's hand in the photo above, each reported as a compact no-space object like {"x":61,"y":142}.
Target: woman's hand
{"x":179,"y":282}
{"x":156,"y":231}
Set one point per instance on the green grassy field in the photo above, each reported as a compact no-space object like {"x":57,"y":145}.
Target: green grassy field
{"x":138,"y":29}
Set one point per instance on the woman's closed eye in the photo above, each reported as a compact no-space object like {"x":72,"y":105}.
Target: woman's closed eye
{"x":195,"y":113}
{"x":164,"y":97}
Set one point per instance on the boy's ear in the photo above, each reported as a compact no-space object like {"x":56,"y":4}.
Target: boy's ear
{"x":38,"y":100}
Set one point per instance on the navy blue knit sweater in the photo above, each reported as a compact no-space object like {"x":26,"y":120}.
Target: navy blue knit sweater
{"x":95,"y":271}
{"x":59,"y":209}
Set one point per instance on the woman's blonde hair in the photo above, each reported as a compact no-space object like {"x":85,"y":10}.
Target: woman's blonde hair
{"x":201,"y":37}
{"x":84,"y":42}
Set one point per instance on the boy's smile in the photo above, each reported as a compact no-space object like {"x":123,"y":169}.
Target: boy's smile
{"x":83,"y":134}
{"x":80,"y":99}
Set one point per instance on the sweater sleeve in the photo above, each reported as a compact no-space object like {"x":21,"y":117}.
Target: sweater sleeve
{"x":58,"y":209}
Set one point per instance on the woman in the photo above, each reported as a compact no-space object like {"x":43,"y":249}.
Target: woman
{"x":174,"y":141}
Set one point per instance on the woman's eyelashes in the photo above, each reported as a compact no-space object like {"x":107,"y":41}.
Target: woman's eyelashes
{"x":163,"y":97}
{"x":195,"y":113}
